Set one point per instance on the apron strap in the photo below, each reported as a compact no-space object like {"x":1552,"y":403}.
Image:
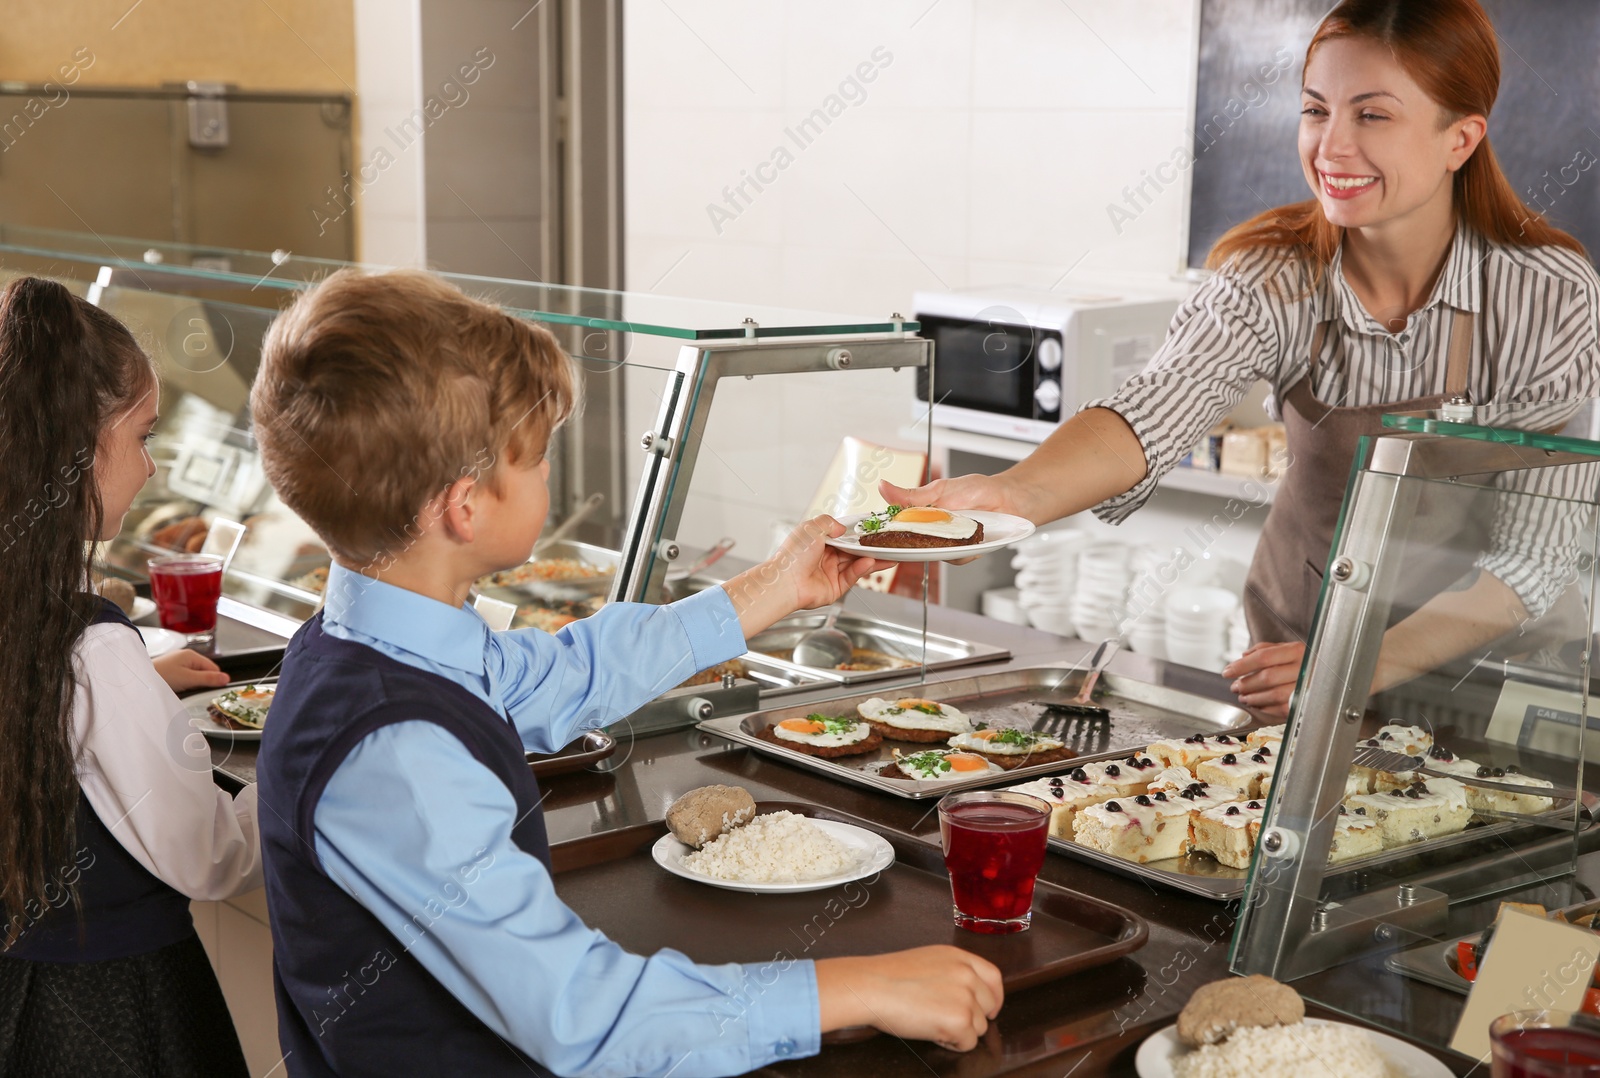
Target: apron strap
{"x":1459,"y":359}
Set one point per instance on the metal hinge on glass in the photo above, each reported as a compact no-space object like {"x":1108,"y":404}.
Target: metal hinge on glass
{"x":208,"y":115}
{"x":655,"y":443}
{"x":1457,"y":409}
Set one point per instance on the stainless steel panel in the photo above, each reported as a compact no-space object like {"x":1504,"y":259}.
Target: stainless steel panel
{"x":1140,"y":713}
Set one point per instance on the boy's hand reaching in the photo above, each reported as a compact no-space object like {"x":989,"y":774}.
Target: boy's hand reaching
{"x":803,"y":574}
{"x":184,"y":670}
{"x":941,"y":994}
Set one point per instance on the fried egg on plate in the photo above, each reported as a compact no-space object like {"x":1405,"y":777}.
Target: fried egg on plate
{"x":914,"y":713}
{"x":821,"y":731}
{"x":939,"y":523}
{"x":937,"y":765}
{"x":1004,"y":742}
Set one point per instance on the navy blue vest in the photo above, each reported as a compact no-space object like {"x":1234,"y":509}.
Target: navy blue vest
{"x":127,"y":910}
{"x":351,"y":998}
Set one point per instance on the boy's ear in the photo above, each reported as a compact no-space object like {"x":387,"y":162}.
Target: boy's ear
{"x":456,"y":510}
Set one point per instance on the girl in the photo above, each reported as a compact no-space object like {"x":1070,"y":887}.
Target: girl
{"x":109,"y":820}
{"x":1414,"y":275}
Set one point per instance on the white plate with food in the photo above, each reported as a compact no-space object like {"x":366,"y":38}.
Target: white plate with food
{"x":1159,"y":1055}
{"x":756,"y":856}
{"x":159,"y":642}
{"x":234,"y":713}
{"x":947,"y":529}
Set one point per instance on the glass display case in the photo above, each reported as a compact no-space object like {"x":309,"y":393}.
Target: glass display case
{"x":700,"y":420}
{"x":1435,"y":759}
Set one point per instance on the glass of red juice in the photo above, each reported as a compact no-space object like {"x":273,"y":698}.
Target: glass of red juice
{"x":186,"y":588}
{"x":1545,"y":1044}
{"x":994,"y":843}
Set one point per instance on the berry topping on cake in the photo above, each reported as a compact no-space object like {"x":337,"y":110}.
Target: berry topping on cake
{"x":1230,"y":758}
{"x":1232,"y":810}
{"x":1142,"y":799}
{"x":1112,"y":806}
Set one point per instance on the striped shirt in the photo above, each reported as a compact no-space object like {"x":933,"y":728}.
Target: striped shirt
{"x":1536,"y":339}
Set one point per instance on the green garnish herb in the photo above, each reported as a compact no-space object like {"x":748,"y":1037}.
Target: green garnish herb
{"x":835,"y":725}
{"x":931,"y":760}
{"x":1016,"y":737}
{"x":874,"y":522}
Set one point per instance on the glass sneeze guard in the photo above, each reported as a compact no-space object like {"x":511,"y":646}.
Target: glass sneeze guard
{"x":1455,"y":626}
{"x":734,"y":402}
{"x":159,"y":265}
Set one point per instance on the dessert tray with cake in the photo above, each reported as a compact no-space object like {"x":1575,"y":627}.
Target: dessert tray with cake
{"x":988,"y":728}
{"x":233,"y":713}
{"x":1187,"y":812}
{"x":920,"y":533}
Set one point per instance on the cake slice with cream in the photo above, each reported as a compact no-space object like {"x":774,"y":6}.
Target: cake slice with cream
{"x":1142,"y":828}
{"x":1191,"y":751}
{"x":1225,"y":833}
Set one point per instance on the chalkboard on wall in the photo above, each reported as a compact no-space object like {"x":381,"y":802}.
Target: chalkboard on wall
{"x":1545,"y":127}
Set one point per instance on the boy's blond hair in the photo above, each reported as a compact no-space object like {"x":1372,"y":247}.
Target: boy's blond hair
{"x":378,"y":391}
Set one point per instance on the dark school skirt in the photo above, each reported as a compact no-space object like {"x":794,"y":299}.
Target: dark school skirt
{"x":156,"y":1015}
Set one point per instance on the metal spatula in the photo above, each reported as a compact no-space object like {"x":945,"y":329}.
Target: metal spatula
{"x":1083,"y":703}
{"x":1384,"y":760}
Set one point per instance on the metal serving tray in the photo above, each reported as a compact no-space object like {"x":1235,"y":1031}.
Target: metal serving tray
{"x":902,"y":644}
{"x":1201,"y":874}
{"x":1434,"y":962}
{"x":1140,"y":713}
{"x":547,"y":591}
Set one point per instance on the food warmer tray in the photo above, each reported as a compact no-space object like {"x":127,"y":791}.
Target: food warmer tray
{"x":1200,"y":874}
{"x":1434,"y":962}
{"x":903,"y":645}
{"x":612,"y":882}
{"x":1140,"y":713}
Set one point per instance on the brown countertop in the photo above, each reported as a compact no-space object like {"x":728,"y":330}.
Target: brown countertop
{"x":1088,"y":1024}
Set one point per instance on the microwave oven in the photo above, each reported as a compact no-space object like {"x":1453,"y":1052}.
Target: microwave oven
{"x":1014,"y":363}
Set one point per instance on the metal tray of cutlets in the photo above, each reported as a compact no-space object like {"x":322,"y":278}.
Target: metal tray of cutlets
{"x":1139,"y":714}
{"x":1203,"y":875}
{"x":899,"y":648}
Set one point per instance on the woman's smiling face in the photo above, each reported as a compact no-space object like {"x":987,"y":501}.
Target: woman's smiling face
{"x":1374,"y":147}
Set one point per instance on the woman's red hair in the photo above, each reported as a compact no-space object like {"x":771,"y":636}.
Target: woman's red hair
{"x":1449,"y":47}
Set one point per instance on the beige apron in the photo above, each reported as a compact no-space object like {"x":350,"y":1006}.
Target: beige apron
{"x":1285,"y":576}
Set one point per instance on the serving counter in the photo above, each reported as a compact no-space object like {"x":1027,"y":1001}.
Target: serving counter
{"x":1090,"y":1023}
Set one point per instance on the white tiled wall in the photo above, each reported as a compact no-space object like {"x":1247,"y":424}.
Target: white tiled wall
{"x":985,"y":151}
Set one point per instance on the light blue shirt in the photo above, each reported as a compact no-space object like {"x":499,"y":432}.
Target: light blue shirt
{"x":410,"y":807}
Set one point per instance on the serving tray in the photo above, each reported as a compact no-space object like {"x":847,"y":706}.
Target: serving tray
{"x":1140,"y":713}
{"x":1203,"y":875}
{"x":613,"y":883}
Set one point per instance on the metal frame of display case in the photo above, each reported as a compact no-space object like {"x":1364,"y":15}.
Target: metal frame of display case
{"x":673,"y":444}
{"x":1285,"y":930}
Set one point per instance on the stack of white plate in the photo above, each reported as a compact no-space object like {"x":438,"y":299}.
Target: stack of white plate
{"x":1146,"y":621}
{"x":1197,"y":626}
{"x":1047,"y":574}
{"x":1099,"y":603}
{"x":1238,"y":634}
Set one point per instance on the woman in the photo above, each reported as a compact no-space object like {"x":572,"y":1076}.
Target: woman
{"x":1414,"y":275}
{"x":109,"y":820}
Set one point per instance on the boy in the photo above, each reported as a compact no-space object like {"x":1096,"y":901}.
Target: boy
{"x":415,"y":926}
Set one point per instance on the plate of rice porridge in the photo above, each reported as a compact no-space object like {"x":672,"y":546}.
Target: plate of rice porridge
{"x":1311,"y":1046}
{"x":778,"y":853}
